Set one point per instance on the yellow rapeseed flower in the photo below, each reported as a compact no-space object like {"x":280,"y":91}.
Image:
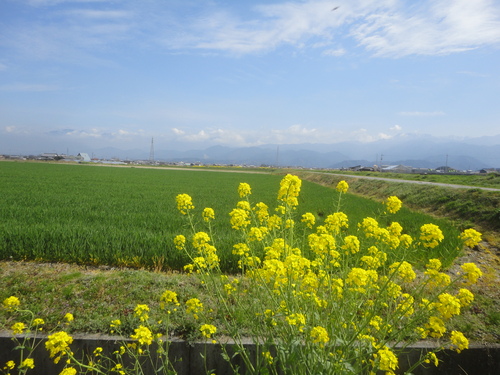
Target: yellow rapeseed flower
{"x":114,"y":324}
{"x":69,"y":317}
{"x":239,"y":218}
{"x":38,"y":322}
{"x":431,"y":357}
{"x":18,"y":328}
{"x":143,"y":335}
{"x":342,"y":187}
{"x":435,"y":327}
{"x":58,"y":344}
{"x":208,"y":214}
{"x":268,"y":357}
{"x":244,"y":189}
{"x":335,"y":222}
{"x":309,"y":219}
{"x":11,"y":303}
{"x":200,"y":239}
{"x":179,"y":241}
{"x":448,"y":305}
{"x":207,"y":330}
{"x":319,"y":335}
{"x":9,"y":365}
{"x":168,"y":297}
{"x":351,"y":244}
{"x":298,"y":320}
{"x":430,"y":235}
{"x":255,"y":234}
{"x":471,"y":272}
{"x":28,"y":363}
{"x":241,"y":249}
{"x":141,"y":311}
{"x":261,"y":210}
{"x":465,"y":297}
{"x":194,"y":306}
{"x":404,"y":271}
{"x":459,"y":341}
{"x":471,"y":237}
{"x":387,"y":360}
{"x":184,"y":203}
{"x":393,"y":204}
{"x":289,"y":190}
{"x":405,"y":240}
{"x":68,"y":371}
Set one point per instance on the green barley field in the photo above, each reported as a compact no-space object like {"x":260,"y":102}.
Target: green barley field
{"x":126,"y":216}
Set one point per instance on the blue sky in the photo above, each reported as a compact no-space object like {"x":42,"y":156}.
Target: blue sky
{"x":192,"y":74}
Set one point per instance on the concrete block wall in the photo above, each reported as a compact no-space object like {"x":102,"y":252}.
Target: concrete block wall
{"x":188,"y":358}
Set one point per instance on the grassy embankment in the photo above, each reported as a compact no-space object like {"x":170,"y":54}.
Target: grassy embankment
{"x":465,"y":208}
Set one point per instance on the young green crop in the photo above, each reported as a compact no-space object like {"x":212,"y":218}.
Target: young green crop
{"x":124,"y":216}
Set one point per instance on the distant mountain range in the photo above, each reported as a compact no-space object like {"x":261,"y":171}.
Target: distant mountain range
{"x":415,"y":151}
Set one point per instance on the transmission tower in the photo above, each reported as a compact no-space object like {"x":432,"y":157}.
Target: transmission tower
{"x":152,"y":152}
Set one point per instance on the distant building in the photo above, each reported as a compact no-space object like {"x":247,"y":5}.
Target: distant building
{"x":49,"y":156}
{"x":82,"y":156}
{"x":397,"y":169}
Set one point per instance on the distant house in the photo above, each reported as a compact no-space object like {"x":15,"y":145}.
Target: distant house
{"x":397,"y":169}
{"x":82,"y":156}
{"x":49,"y":156}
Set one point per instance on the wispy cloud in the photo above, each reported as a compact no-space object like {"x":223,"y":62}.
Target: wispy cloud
{"x":382,"y":27}
{"x":434,"y":27}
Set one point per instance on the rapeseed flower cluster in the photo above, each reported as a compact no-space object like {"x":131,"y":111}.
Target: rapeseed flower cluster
{"x":11,"y":303}
{"x":289,"y":190}
{"x":208,"y":214}
{"x":430,"y":235}
{"x":393,"y":204}
{"x":244,"y":190}
{"x":471,"y":237}
{"x":58,"y":345}
{"x":143,"y":335}
{"x":184,"y":203}
{"x":301,"y":281}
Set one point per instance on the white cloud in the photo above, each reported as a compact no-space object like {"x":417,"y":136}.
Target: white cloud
{"x":434,"y":27}
{"x":422,"y":114}
{"x":178,"y":131}
{"x":396,"y":128}
{"x":335,"y":52}
{"x":384,"y":136}
{"x":383,"y":27}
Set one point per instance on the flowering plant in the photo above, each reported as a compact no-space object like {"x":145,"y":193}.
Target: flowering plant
{"x":331,"y":302}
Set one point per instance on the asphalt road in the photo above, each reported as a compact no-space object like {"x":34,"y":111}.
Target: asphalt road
{"x":419,"y":182}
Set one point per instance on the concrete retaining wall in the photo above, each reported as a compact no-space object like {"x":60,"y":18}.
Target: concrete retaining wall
{"x":187,"y":358}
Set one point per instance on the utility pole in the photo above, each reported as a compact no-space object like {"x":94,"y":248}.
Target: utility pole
{"x":152,"y":153}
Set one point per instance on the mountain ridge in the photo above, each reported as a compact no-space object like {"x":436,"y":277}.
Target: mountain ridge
{"x":421,"y":152}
